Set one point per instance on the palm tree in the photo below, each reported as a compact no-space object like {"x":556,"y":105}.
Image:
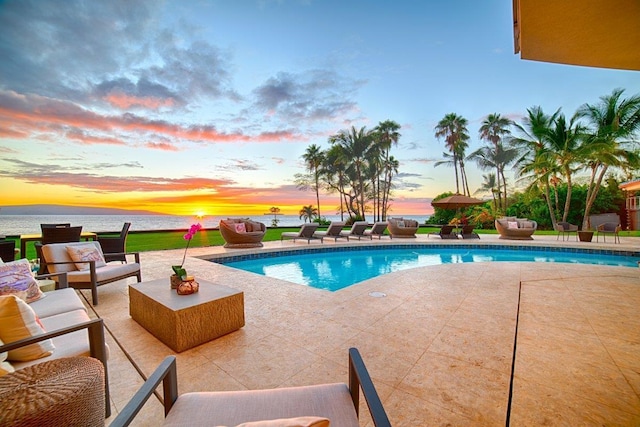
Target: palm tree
{"x":534,"y":162}
{"x":614,"y":123}
{"x":387,"y":135}
{"x":493,"y":129}
{"x":308,"y":213}
{"x":313,"y":159}
{"x":490,"y":185}
{"x":355,"y":145}
{"x":453,"y":129}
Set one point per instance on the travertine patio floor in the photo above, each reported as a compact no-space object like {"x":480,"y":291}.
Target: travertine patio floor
{"x":439,"y":345}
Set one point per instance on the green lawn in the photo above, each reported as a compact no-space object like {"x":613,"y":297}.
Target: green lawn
{"x":160,"y":240}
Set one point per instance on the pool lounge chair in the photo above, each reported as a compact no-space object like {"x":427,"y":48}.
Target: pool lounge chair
{"x":305,"y":233}
{"x":468,"y":233}
{"x":377,"y":230}
{"x":445,"y":232}
{"x":357,"y":230}
{"x":333,"y":231}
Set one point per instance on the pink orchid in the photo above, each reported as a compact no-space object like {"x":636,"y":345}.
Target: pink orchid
{"x":188,"y":236}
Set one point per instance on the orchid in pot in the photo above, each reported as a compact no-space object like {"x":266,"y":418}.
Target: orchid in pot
{"x":179,"y":269}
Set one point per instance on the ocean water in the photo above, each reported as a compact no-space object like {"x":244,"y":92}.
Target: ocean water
{"x":11,"y":225}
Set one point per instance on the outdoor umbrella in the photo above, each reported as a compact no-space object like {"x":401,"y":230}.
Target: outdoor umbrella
{"x":456,"y":201}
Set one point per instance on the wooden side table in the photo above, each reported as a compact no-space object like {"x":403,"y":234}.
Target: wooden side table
{"x":185,"y":321}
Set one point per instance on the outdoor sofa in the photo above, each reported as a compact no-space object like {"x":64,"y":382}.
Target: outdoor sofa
{"x":512,"y":228}
{"x":242,"y":233}
{"x":402,"y":228}
{"x":52,"y":327}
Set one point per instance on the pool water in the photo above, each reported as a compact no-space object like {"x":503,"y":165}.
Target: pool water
{"x":335,"y":270}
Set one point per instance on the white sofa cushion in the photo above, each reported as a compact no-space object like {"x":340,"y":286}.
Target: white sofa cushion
{"x":56,"y":302}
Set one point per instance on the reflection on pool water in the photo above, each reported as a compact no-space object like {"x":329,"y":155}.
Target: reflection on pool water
{"x":334,"y":270}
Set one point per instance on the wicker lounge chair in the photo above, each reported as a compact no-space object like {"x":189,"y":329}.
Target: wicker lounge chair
{"x":468,"y":233}
{"x":357,"y":230}
{"x":403,"y":228}
{"x":512,"y":228}
{"x":336,"y":403}
{"x":114,"y":248}
{"x":377,"y":230}
{"x":242,"y":233}
{"x":445,"y":232}
{"x":306,"y":232}
{"x":333,"y":232}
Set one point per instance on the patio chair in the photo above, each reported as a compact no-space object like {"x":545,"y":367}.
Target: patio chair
{"x":336,"y":403}
{"x":445,"y":232}
{"x":468,"y":233}
{"x":56,"y":233}
{"x":7,"y":250}
{"x":333,"y":231}
{"x":377,"y":230}
{"x":114,"y":248}
{"x":357,"y":230}
{"x":306,"y":232}
{"x":88,"y":270}
{"x":565,"y":229}
{"x":609,"y":228}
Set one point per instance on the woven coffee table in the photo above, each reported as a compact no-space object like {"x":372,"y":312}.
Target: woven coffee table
{"x":185,"y":321}
{"x":60,"y":392}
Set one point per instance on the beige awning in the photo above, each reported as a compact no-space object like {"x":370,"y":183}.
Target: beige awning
{"x":593,"y":33}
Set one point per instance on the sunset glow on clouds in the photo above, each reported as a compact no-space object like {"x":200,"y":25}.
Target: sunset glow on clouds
{"x":177,"y":107}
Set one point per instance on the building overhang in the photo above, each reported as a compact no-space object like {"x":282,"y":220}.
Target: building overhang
{"x":592,"y":33}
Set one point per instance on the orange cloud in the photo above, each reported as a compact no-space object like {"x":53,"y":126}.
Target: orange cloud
{"x":123,"y":101}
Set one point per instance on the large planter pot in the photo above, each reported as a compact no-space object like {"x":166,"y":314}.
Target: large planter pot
{"x":585,"y":236}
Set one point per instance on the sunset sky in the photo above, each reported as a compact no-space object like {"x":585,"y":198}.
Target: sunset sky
{"x":185,"y":106}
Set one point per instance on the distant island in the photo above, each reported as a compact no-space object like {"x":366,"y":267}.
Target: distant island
{"x":67,"y":210}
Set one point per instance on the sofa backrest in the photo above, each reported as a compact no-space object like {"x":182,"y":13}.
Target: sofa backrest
{"x":57,"y":252}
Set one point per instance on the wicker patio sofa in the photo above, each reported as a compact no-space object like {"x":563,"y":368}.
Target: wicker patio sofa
{"x":512,"y":228}
{"x":242,"y":233}
{"x":402,"y":228}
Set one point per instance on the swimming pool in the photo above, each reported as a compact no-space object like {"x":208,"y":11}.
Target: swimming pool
{"x":333,"y":269}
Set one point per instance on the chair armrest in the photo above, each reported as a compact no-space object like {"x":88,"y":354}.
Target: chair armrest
{"x":62,"y":279}
{"x":359,"y":379}
{"x":95,"y":329}
{"x":167,"y":373}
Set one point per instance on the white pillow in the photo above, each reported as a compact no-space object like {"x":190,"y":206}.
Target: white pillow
{"x":240,"y":227}
{"x":512,"y":224}
{"x":86,"y":252}
{"x":16,"y":279}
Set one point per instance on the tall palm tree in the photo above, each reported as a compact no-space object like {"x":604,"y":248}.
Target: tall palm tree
{"x":493,"y":129}
{"x":387,"y":135}
{"x":533,"y":161}
{"x":308,"y":213}
{"x":496,"y":157}
{"x":453,"y":128}
{"x":313,"y":159}
{"x":614,"y":123}
{"x":356,"y":144}
{"x":562,"y":142}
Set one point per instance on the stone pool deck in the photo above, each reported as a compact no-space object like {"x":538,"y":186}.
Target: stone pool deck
{"x":439,"y":345}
